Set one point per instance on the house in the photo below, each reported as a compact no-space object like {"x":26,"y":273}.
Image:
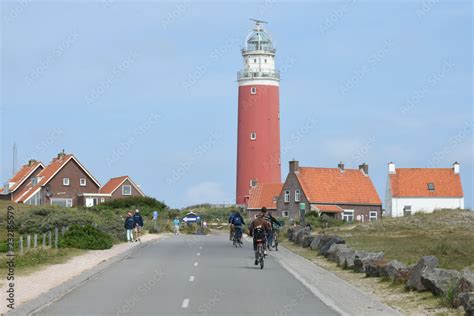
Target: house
{"x":347,"y":194}
{"x":115,"y":188}
{"x":412,"y":190}
{"x":264,"y":195}
{"x":21,"y":179}
{"x":59,"y":183}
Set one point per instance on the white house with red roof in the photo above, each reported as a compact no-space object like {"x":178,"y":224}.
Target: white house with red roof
{"x":412,"y":190}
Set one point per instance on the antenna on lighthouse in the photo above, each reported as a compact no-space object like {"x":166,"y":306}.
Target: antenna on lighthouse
{"x":258,"y":21}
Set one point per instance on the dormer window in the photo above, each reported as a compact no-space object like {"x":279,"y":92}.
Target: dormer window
{"x":431,"y":186}
{"x":34,"y":181}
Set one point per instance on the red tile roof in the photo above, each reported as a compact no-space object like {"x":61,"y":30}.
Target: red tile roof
{"x":114,"y":183}
{"x":413,"y":182}
{"x":329,"y":208}
{"x":23,"y":174}
{"x":263,"y":195}
{"x":331,"y":185}
{"x":47,"y":174}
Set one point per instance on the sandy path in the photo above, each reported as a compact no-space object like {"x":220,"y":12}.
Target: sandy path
{"x":31,"y":286}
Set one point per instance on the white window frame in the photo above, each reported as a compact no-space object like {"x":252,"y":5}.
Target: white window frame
{"x":373,"y":215}
{"x":66,"y":182}
{"x":102,"y":200}
{"x":297,"y":195}
{"x":345,"y":216}
{"x":287,"y":196}
{"x":253,"y":90}
{"x":82,"y":182}
{"x":68,"y":202}
{"x":253,"y":183}
{"x":253,"y":136}
{"x":129,"y":186}
{"x":285,"y":214}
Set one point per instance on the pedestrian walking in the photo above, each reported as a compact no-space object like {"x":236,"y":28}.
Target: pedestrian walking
{"x":176,"y":225}
{"x":138,"y":225}
{"x":129,"y":226}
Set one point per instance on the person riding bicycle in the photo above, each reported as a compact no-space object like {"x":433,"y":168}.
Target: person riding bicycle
{"x":231,"y":226}
{"x":258,"y":229}
{"x":272,"y":221}
{"x":237,"y":222}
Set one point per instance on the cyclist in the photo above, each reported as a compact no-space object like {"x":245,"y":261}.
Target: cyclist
{"x":274,"y":224}
{"x":237,"y":222}
{"x":258,"y":224}
{"x":231,"y":226}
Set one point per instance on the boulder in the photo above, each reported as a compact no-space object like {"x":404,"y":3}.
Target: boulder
{"x":316,"y":241}
{"x":374,"y":268}
{"x":361,"y":263}
{"x":342,"y":254}
{"x":350,"y":257}
{"x":335,"y":249}
{"x":440,"y":281}
{"x":292,"y":232}
{"x":465,"y":285}
{"x":467,"y":301}
{"x":300,"y":235}
{"x":390,"y":269}
{"x":401,"y":276}
{"x":426,"y":263}
{"x":307,"y":241}
{"x":323,"y":250}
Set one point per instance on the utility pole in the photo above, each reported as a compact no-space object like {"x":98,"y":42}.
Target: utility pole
{"x":14,"y":159}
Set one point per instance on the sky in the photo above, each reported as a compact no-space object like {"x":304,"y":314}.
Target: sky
{"x":148,"y":88}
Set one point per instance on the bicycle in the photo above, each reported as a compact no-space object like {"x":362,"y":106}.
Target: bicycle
{"x":260,"y":252}
{"x":275,"y":239}
{"x":237,"y":236}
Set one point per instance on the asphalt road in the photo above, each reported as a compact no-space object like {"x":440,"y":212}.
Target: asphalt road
{"x":191,"y":275}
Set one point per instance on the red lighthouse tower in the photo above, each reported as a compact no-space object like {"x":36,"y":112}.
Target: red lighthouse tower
{"x":258,"y":143}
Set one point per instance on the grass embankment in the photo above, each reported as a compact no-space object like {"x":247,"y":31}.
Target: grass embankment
{"x":446,"y":234}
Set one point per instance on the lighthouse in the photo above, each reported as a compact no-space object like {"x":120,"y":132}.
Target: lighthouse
{"x":258,"y":135}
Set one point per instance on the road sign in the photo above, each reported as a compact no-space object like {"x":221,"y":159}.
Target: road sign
{"x":155,"y":215}
{"x":191,"y":218}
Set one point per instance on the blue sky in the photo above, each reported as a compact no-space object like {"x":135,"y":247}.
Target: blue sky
{"x":148,"y":89}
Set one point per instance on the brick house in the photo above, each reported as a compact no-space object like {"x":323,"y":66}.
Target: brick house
{"x":59,"y":183}
{"x":264,"y":195}
{"x":412,"y":190}
{"x":21,"y":179}
{"x":347,"y":194}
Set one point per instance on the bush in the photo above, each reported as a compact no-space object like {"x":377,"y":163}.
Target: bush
{"x":86,"y":237}
{"x":145,"y":204}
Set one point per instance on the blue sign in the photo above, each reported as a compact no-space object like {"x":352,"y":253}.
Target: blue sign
{"x":191,"y":218}
{"x":155,"y":215}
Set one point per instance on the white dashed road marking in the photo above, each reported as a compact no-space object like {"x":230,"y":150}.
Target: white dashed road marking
{"x":185,"y":303}
{"x":191,"y":278}
{"x":198,"y":254}
{"x":196,"y":264}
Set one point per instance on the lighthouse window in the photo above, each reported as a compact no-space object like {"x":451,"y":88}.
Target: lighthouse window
{"x":253,"y":136}
{"x":253,"y":183}
{"x":253,"y":90}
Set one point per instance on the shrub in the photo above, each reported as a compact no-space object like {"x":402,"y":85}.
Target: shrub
{"x":145,"y":204}
{"x":86,"y":237}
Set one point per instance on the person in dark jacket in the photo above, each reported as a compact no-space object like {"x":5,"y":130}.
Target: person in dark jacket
{"x":258,"y":223}
{"x":129,"y":226}
{"x":237,"y":222}
{"x":138,"y":225}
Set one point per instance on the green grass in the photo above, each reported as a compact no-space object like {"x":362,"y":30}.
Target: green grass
{"x":446,"y":234}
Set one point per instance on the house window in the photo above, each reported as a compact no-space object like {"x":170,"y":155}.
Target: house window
{"x":297,"y":195}
{"x":407,"y":210}
{"x":65,"y":181}
{"x":255,"y":60}
{"x":285,"y":214}
{"x":373,"y":215}
{"x":35,"y":199}
{"x":126,"y":189}
{"x":82,"y":182}
{"x":102,"y":200}
{"x":253,"y":90}
{"x":287,"y":196}
{"x":34,"y":181}
{"x":253,"y":183}
{"x":62,"y":202}
{"x":431,"y":186}
{"x":348,"y":216}
{"x":265,"y":60}
{"x":253,"y":136}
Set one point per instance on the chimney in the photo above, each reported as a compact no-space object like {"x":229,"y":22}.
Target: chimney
{"x":294,"y":166}
{"x":61,"y":154}
{"x":456,"y":167}
{"x":391,"y":168}
{"x":364,"y":168}
{"x":341,"y":166}
{"x":31,"y":162}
